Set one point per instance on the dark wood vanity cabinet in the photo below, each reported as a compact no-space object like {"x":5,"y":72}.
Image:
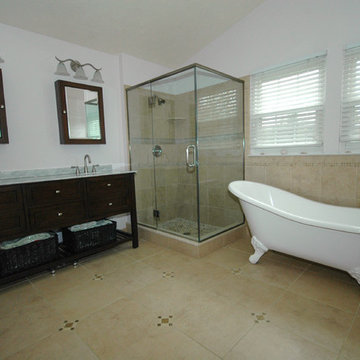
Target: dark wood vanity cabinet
{"x":51,"y":205}
{"x":12,"y":212}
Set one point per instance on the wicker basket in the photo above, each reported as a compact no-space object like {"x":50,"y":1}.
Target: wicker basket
{"x":78,"y":241}
{"x":27,"y":256}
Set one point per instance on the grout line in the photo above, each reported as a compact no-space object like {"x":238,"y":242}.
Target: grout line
{"x":192,"y":339}
{"x":357,"y":312}
{"x":86,"y":344}
{"x":241,"y":338}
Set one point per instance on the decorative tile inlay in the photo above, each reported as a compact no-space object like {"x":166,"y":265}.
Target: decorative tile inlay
{"x":168,"y":274}
{"x":69,"y":325}
{"x":259,"y":317}
{"x":98,"y":277}
{"x":236,"y":271}
{"x":165,"y":320}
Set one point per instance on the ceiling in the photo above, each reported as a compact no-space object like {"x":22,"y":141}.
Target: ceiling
{"x":167,"y":32}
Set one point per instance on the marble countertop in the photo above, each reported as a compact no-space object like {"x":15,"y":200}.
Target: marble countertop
{"x":29,"y":176}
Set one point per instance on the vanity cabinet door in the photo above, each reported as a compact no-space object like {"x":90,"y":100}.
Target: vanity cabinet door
{"x":12,"y":214}
{"x":108,"y":195}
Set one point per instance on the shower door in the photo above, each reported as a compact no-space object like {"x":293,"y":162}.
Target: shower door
{"x":174,"y":153}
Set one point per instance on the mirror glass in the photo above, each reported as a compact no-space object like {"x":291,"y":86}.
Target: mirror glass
{"x":83,"y":113}
{"x":4,"y":139}
{"x":80,"y":112}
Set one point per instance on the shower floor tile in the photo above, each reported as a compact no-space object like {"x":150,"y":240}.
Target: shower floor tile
{"x":188,"y":228}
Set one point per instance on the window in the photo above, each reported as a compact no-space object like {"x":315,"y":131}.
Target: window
{"x":350,"y":121}
{"x":287,"y":109}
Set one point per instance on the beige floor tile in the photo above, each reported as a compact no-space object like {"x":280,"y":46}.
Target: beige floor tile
{"x":168,"y":345}
{"x":169,"y":260}
{"x":255,"y":295}
{"x":133,"y":277}
{"x":243,"y":245}
{"x":26,"y":325}
{"x":110,"y":331}
{"x":132,"y":332}
{"x":175,"y":266}
{"x":17,"y":296}
{"x":62,"y":345}
{"x":267,"y":342}
{"x":145,"y":249}
{"x":228,"y":258}
{"x":166,"y":295}
{"x":64,"y":279}
{"x":110,"y":262}
{"x":214,"y":322}
{"x":287,"y":259}
{"x":333,"y":273}
{"x":272,"y":272}
{"x":351,"y":347}
{"x":317,"y":322}
{"x":80,"y":301}
{"x":328,"y":289}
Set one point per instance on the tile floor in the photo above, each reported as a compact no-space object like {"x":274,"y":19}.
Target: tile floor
{"x":154,"y":303}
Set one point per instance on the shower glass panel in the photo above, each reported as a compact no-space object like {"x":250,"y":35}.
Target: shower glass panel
{"x":186,"y":144}
{"x":140,"y":127}
{"x":220,"y":150}
{"x":173,"y":111}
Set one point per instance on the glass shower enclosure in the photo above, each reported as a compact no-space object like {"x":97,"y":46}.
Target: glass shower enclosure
{"x":186,"y":141}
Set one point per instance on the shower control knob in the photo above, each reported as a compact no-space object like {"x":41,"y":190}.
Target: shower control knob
{"x":157,"y":150}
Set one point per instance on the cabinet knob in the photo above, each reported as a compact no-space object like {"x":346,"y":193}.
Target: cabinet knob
{"x":2,"y":106}
{"x":60,"y":214}
{"x":57,"y":191}
{"x":108,"y":184}
{"x":110,"y":204}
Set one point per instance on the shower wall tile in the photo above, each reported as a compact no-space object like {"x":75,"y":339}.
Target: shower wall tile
{"x":306,"y":181}
{"x":231,"y":201}
{"x":216,"y":196}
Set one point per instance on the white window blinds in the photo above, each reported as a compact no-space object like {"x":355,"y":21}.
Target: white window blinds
{"x":287,"y":108}
{"x":350,"y":122}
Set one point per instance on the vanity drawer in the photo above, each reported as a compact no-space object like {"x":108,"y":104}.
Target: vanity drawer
{"x":53,"y":192}
{"x":12,"y":224}
{"x":107,"y":207}
{"x":109,"y":187}
{"x":53,"y":217}
{"x":11,"y":197}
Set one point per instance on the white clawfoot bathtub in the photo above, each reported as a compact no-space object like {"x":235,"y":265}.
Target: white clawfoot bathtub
{"x":288,"y":223}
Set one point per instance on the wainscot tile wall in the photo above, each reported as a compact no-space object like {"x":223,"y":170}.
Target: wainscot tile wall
{"x":332,"y":179}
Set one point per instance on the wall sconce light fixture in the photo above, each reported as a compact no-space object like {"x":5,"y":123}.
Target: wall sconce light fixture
{"x":78,"y":69}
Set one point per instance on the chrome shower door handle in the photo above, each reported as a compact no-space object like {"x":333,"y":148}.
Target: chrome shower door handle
{"x":188,"y":163}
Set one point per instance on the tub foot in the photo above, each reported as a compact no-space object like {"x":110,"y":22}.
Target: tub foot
{"x":355,"y":273}
{"x":260,"y":250}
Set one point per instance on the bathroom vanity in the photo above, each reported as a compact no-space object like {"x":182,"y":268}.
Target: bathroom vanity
{"x":33,"y":205}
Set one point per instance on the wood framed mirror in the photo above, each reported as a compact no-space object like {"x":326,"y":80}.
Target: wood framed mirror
{"x":80,"y":113}
{"x":4,"y":137}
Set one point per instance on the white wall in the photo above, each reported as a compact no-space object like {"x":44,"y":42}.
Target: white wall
{"x":284,"y":31}
{"x":28,"y":74}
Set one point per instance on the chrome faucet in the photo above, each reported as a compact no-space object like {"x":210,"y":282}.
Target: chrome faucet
{"x":86,"y":170}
